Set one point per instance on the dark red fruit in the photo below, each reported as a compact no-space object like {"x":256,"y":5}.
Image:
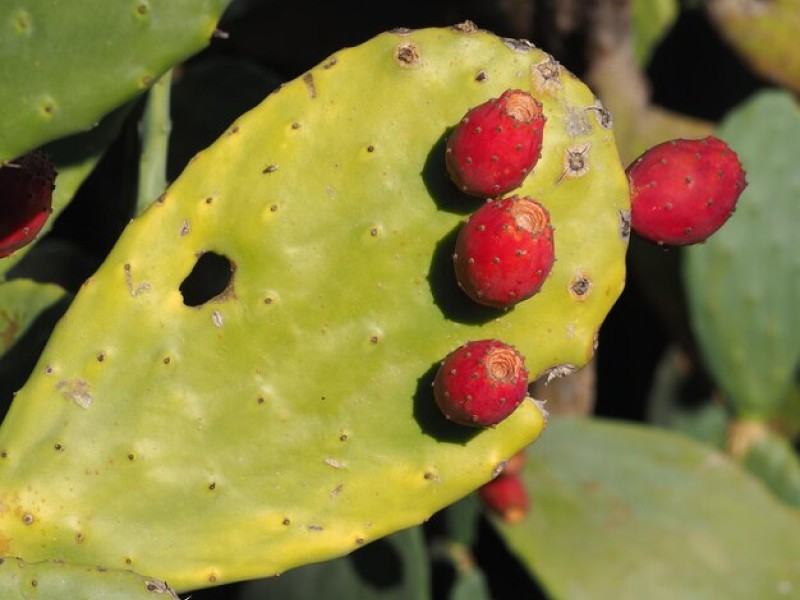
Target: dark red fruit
{"x":26,"y":194}
{"x":481,"y":383}
{"x":496,"y":145}
{"x":682,"y":191}
{"x":504,"y":252}
{"x":507,"y":497}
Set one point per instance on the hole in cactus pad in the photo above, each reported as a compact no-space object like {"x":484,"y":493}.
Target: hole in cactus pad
{"x":211,"y":279}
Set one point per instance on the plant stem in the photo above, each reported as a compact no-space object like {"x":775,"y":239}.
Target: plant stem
{"x":154,"y":130}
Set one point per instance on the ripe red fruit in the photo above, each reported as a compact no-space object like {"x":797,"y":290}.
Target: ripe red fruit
{"x":26,"y":194}
{"x":496,"y":145}
{"x":481,"y":383}
{"x":504,"y":252}
{"x":506,"y":496}
{"x":682,"y":191}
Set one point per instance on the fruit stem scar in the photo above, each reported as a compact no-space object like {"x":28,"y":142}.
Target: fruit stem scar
{"x":529,"y":216}
{"x":521,"y":106}
{"x":503,"y":364}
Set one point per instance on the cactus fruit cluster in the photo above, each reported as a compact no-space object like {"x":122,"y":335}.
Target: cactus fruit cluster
{"x":26,"y":197}
{"x":682,"y":191}
{"x":253,"y":379}
{"x":291,"y":413}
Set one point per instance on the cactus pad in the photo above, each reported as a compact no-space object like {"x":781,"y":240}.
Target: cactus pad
{"x":289,"y":417}
{"x":764,"y":34}
{"x":743,"y":284}
{"x":20,"y":580}
{"x":646,"y":513}
{"x":21,"y":301}
{"x":66,"y":66}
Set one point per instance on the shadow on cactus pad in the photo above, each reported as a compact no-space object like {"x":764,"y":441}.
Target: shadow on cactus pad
{"x":447,"y":295}
{"x":430,"y":418}
{"x":442,"y":190}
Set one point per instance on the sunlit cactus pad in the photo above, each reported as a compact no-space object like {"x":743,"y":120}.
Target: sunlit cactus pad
{"x":290,"y":418}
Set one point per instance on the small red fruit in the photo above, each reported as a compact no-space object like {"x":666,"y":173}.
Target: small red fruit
{"x":504,"y":252}
{"x":506,"y":496}
{"x":682,"y":191}
{"x":26,"y":194}
{"x":481,"y":383}
{"x":496,"y":144}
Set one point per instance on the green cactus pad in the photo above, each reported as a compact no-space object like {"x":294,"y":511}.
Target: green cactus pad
{"x":66,"y":64}
{"x":743,"y":284}
{"x":20,"y":580}
{"x":774,"y":460}
{"x":645,"y":513}
{"x":21,"y":301}
{"x":396,"y":567}
{"x":651,"y":20}
{"x":289,"y":418}
{"x":764,"y":34}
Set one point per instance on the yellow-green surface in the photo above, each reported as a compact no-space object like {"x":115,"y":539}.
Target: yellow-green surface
{"x":291,"y":419}
{"x":49,"y":580}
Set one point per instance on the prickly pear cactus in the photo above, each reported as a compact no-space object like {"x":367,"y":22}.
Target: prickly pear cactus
{"x":290,"y":417}
{"x":21,"y":301}
{"x":20,"y":580}
{"x":113,"y":50}
{"x":764,"y":34}
{"x":727,"y":279}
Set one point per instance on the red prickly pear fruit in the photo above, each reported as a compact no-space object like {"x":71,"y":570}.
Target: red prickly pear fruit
{"x":496,"y":145}
{"x":682,"y":191}
{"x":507,"y":497}
{"x":26,"y":195}
{"x":481,"y":383}
{"x":504,"y":251}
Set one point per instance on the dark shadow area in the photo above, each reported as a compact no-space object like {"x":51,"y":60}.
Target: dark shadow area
{"x":631,"y":342}
{"x":56,"y":260}
{"x":443,"y":191}
{"x":431,"y":420}
{"x":379,"y":565}
{"x":211,"y":276}
{"x":294,"y":36}
{"x":104,"y":203}
{"x":451,"y":300}
{"x":208,"y":95}
{"x":713,"y":79}
{"x":222,"y":592}
{"x":18,"y":362}
{"x":516,"y":581}
{"x":75,"y":149}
